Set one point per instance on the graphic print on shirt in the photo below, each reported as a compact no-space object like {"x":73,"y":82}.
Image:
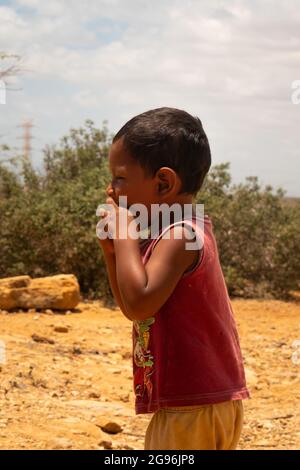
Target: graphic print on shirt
{"x":143,"y":358}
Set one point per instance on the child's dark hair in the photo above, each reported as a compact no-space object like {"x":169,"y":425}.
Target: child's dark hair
{"x":169,"y":137}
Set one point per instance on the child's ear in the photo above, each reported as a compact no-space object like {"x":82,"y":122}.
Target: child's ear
{"x":163,"y":183}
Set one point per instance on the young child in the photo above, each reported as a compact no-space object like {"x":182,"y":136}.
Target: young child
{"x":187,"y":363}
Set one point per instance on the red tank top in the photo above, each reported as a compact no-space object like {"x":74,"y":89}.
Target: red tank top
{"x":188,"y":353}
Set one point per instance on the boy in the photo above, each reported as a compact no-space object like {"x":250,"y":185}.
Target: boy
{"x":187,"y":362}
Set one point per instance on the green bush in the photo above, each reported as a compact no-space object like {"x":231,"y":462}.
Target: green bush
{"x":47,"y":221}
{"x":257,"y":234}
{"x":48,"y":226}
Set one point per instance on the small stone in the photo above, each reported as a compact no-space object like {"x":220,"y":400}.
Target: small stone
{"x":106,"y":444}
{"x":259,"y":387}
{"x":49,"y":312}
{"x":62,"y":443}
{"x":32,"y":310}
{"x":76,"y":350}
{"x":61,"y":329}
{"x":127,"y":355}
{"x":37,"y":317}
{"x":111,"y":428}
{"x":42,"y":339}
{"x":94,"y":395}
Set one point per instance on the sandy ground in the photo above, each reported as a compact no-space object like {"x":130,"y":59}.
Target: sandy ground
{"x":59,"y":396}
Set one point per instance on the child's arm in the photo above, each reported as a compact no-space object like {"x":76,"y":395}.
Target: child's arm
{"x":110,"y":261}
{"x":144,"y":289}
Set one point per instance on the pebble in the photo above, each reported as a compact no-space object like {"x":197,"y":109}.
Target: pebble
{"x":61,"y":329}
{"x":42,"y":339}
{"x":61,"y":443}
{"x":94,"y":395}
{"x":106,"y":444}
{"x":112,"y":428}
{"x":76,"y":350}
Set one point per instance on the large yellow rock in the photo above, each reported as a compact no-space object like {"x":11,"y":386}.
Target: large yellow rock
{"x":59,"y":292}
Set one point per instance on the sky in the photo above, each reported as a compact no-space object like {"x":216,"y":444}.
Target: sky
{"x":232,"y":63}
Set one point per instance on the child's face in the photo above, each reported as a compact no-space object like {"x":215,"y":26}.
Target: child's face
{"x":129,"y":179}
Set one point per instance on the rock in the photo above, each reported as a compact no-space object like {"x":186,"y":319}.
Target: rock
{"x":15,"y":282}
{"x":111,"y":428}
{"x":259,"y":387}
{"x":7,"y":286}
{"x":127,"y":355}
{"x":59,"y":292}
{"x":94,"y":395}
{"x":42,"y":339}
{"x":61,"y":443}
{"x":49,"y":312}
{"x":61,"y":329}
{"x":106,"y":444}
{"x":76,"y":350}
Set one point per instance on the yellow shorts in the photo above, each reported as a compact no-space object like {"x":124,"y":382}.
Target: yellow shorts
{"x":202,"y":427}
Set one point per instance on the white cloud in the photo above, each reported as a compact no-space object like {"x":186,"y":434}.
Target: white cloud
{"x":229,"y":61}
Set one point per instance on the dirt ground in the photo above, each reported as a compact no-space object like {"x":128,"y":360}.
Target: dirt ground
{"x":59,"y":394}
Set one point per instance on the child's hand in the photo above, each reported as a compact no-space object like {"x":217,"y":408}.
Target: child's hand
{"x":107,"y":244}
{"x":114,"y":223}
{"x":119,"y":220}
